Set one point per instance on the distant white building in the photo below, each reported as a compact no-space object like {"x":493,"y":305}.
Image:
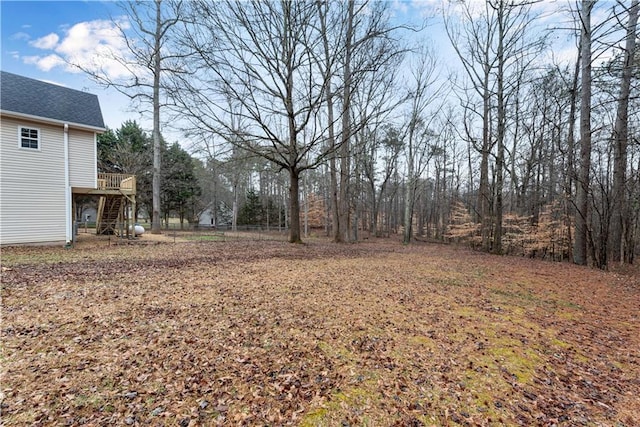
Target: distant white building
{"x":207,"y":218}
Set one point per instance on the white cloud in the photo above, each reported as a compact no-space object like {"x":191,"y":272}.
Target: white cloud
{"x":90,"y":45}
{"x":45,"y":63}
{"x":427,"y":8}
{"x":15,"y":54}
{"x":20,"y":36}
{"x":400,"y":5}
{"x":472,"y":8}
{"x":93,"y":45}
{"x":47,"y":42}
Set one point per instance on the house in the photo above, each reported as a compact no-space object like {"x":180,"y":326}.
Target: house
{"x":208,"y":219}
{"x":48,"y":155}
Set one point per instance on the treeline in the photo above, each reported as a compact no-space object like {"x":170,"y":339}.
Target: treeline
{"x":337,"y":115}
{"x":191,"y":190}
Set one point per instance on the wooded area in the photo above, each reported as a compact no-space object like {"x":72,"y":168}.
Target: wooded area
{"x":338,"y":116}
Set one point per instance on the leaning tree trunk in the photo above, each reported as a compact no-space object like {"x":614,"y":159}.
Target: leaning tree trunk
{"x":620,"y":142}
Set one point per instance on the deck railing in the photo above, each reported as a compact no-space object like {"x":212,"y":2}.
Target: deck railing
{"x":117,"y":181}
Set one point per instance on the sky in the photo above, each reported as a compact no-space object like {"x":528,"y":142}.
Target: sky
{"x":36,"y":37}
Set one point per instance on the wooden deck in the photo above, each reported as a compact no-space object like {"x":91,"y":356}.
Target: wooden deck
{"x":111,"y":184}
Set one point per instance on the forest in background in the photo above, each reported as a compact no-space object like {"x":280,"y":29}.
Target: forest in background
{"x":335,"y":116}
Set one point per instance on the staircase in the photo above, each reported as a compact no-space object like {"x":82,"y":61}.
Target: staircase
{"x":110,"y":214}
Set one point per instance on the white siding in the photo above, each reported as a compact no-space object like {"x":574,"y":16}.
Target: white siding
{"x":82,"y":159}
{"x":32,"y":203}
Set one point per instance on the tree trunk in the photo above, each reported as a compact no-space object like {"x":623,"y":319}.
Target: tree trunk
{"x":294,"y":203}
{"x":335,"y":228}
{"x":582,"y":193}
{"x":234,"y":209}
{"x":620,"y":142}
{"x":343,"y":214}
{"x":483,"y":192}
{"x":155,"y":220}
{"x":570,"y":175}
{"x":408,"y":196}
{"x":333,"y":176}
{"x":214,"y":211}
{"x":357,"y":192}
{"x":497,"y":237}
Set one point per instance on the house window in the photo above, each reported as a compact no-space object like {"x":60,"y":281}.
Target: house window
{"x":30,"y":138}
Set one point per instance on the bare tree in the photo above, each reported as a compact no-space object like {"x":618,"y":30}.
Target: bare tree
{"x":263,"y":57}
{"x":329,"y":63}
{"x":374,"y":104}
{"x":424,"y":90}
{"x":494,"y":46}
{"x":342,"y":226}
{"x":382,"y":148}
{"x":582,"y":191}
{"x":472,"y":43}
{"x":358,"y":50}
{"x":146,"y":64}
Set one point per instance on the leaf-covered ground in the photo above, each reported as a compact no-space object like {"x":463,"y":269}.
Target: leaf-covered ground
{"x":268,"y":333}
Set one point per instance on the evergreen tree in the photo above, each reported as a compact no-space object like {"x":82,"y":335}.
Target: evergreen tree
{"x":180,"y":188}
{"x":251,"y":212}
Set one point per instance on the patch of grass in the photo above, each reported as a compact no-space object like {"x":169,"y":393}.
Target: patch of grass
{"x":520,"y":295}
{"x":336,"y":352}
{"x":315,"y":418}
{"x":89,"y":401}
{"x":204,"y":238}
{"x":43,"y":257}
{"x":526,"y":298}
{"x":521,"y":362}
{"x":23,"y":418}
{"x":568,"y":315}
{"x":452,"y":281}
{"x":423,"y":341}
{"x":485,"y":402}
{"x":556,"y":342}
{"x":581,"y":358}
{"x":325,"y":347}
{"x":480,"y":272}
{"x":466,"y":311}
{"x":569,"y":304}
{"x":356,"y":400}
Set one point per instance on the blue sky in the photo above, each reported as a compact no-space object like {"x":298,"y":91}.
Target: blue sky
{"x":37,"y":35}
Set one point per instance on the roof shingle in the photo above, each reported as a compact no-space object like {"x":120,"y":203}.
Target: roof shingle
{"x":23,"y":95}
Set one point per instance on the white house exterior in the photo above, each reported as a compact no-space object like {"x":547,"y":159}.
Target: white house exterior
{"x":47,"y":151}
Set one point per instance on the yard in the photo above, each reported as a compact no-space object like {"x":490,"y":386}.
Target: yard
{"x":268,"y":333}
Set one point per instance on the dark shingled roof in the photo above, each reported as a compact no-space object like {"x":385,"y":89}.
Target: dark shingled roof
{"x":23,"y":95}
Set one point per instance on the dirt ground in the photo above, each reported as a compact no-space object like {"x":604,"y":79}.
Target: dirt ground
{"x":157,"y":332}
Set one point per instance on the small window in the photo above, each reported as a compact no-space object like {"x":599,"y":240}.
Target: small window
{"x":30,"y":138}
